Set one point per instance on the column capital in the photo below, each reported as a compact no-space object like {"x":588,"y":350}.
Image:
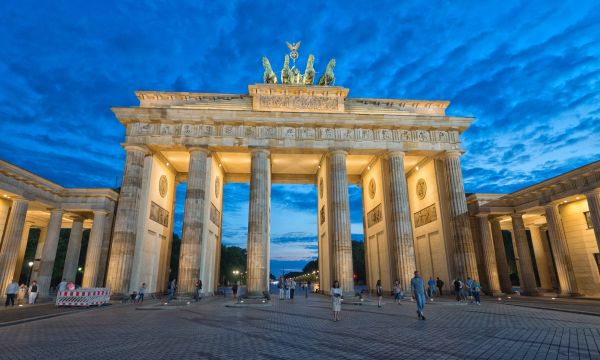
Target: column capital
{"x":591,"y":192}
{"x":56,"y":211}
{"x":100,"y":212}
{"x":260,"y":150}
{"x":394,"y":153}
{"x":77,"y":217}
{"x":338,"y":151}
{"x":141,"y":148}
{"x":19,"y":200}
{"x":481,"y":215}
{"x":195,"y":149}
{"x":452,"y":153}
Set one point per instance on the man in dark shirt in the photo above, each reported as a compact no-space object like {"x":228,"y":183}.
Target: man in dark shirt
{"x":440,"y":284}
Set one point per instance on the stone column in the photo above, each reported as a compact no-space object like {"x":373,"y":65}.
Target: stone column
{"x":526,"y":274}
{"x":339,"y":222}
{"x":125,"y":230}
{"x":38,"y":253}
{"x":560,"y":250}
{"x":400,"y":221}
{"x":22,"y":248}
{"x":193,"y":221}
{"x":258,"y":223}
{"x":94,"y":249}
{"x":464,"y":252}
{"x":49,"y":252}
{"x":13,"y":233}
{"x":108,"y":222}
{"x":540,"y":257}
{"x":593,"y":200}
{"x":501,"y":262}
{"x":549,"y":260}
{"x":73,"y":250}
{"x":489,"y":256}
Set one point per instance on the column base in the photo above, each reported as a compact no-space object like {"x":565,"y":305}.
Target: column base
{"x":531,"y":293}
{"x":569,"y":295}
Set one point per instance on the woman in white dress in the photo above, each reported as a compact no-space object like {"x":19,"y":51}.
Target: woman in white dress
{"x":336,"y":296}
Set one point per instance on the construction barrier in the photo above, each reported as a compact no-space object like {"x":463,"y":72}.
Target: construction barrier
{"x":83,"y":297}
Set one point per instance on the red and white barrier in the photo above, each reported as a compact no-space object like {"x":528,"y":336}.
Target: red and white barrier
{"x":83,"y":297}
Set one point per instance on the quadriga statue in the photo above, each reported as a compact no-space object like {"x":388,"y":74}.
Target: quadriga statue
{"x":309,"y":73}
{"x":286,"y":72}
{"x":269,"y":76}
{"x":328,"y":78}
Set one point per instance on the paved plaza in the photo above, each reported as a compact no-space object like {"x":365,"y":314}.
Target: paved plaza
{"x":303,"y":329}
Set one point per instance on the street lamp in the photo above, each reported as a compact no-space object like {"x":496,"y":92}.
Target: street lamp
{"x":30,"y":270}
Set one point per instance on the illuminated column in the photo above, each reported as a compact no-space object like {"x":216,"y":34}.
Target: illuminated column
{"x":22,"y":248}
{"x":549,"y":260}
{"x":464,"y":252}
{"x":108,"y":222}
{"x":560,"y":250}
{"x":38,"y":253}
{"x":49,"y":252}
{"x":73,"y":250}
{"x":13,"y":233}
{"x":125,"y":231}
{"x":501,"y":262}
{"x":526,"y":274}
{"x":94,"y":249}
{"x":593,"y":200}
{"x":489,"y":255}
{"x":541,"y":259}
{"x":403,"y":245}
{"x":258,"y":223}
{"x":193,"y":221}
{"x":341,"y":242}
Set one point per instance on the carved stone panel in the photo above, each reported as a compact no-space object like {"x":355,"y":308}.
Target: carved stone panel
{"x":374,"y":216}
{"x":159,"y":214}
{"x":215,"y":215}
{"x":425,"y":216}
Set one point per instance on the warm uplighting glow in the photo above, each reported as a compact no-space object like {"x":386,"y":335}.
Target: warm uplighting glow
{"x":236,"y":272}
{"x":79,"y":269}
{"x":368,"y":168}
{"x":167,"y":163}
{"x":417,"y":168}
{"x":30,"y":263}
{"x":577,"y":198}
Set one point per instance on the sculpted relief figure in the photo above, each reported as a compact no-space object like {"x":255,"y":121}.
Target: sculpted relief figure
{"x":328,"y":78}
{"x":269,"y":76}
{"x":309,"y":73}
{"x":286,"y":72}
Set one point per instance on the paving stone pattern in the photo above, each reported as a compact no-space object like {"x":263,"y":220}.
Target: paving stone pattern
{"x":304,"y":330}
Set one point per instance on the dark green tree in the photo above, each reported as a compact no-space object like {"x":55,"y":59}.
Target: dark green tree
{"x":232,"y":258}
{"x":358,"y":260}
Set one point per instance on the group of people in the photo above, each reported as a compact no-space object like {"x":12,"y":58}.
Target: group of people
{"x":469,"y":290}
{"x":19,"y":293}
{"x":417,"y":288}
{"x":287,"y":288}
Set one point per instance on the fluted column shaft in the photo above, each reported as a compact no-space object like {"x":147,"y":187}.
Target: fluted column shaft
{"x":541,"y":259}
{"x":49,"y":252}
{"x":464,"y":252}
{"x":193,"y":221}
{"x":125,"y":230}
{"x":593,"y":200}
{"x":94,"y":250}
{"x":549,"y":261}
{"x":13,"y":233}
{"x":108,"y":222}
{"x":22,"y":249}
{"x":501,"y":262}
{"x":73,"y":250}
{"x":400,"y":221}
{"x":341,"y":242}
{"x":526,"y":274}
{"x":38,"y":253}
{"x":258,"y":223}
{"x":489,"y":255}
{"x":560,"y":250}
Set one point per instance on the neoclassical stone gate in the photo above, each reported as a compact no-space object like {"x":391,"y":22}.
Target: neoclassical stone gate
{"x":405,"y":154}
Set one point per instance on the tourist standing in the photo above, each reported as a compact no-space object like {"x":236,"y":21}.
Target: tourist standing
{"x":397,"y":292}
{"x":281,"y":286}
{"x":140,"y":294}
{"x":379,"y":291}
{"x":11,"y":291}
{"x":469,"y":286}
{"x":198,"y":290}
{"x":292,"y":288}
{"x":417,"y":286}
{"x":172,"y":287}
{"x":440,"y":284}
{"x":62,"y":286}
{"x":456,"y":284}
{"x":431,"y":287}
{"x":336,"y":299}
{"x":476,"y":291}
{"x":286,"y":284}
{"x":33,"y":292}
{"x":22,"y":295}
{"x":234,"y":290}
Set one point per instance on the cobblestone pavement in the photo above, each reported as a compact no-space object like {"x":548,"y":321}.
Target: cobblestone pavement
{"x":304,"y":330}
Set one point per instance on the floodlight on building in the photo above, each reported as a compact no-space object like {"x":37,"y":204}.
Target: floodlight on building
{"x":30,"y":263}
{"x":417,"y":168}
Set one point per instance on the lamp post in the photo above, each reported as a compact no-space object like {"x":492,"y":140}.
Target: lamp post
{"x":30,"y":271}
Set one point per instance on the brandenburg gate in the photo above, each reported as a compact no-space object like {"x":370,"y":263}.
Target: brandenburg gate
{"x":405,"y":155}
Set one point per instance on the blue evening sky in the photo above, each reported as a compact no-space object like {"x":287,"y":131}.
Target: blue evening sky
{"x":528,"y":71}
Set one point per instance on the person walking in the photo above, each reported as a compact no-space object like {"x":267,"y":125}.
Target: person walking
{"x":476,"y":291}
{"x":11,"y":291}
{"x":281,"y":285}
{"x":440,"y":284}
{"x":456,"y":284}
{"x":33,"y":292}
{"x":379,"y":291}
{"x":172,"y":287}
{"x":336,"y":299}
{"x":198,"y":290}
{"x":292,"y":288}
{"x":234,"y":290}
{"x":397,"y":292}
{"x":431,"y":287}
{"x":22,"y":294}
{"x":469,"y":289}
{"x":140,"y":294}
{"x":286,"y":285}
{"x":417,"y":286}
